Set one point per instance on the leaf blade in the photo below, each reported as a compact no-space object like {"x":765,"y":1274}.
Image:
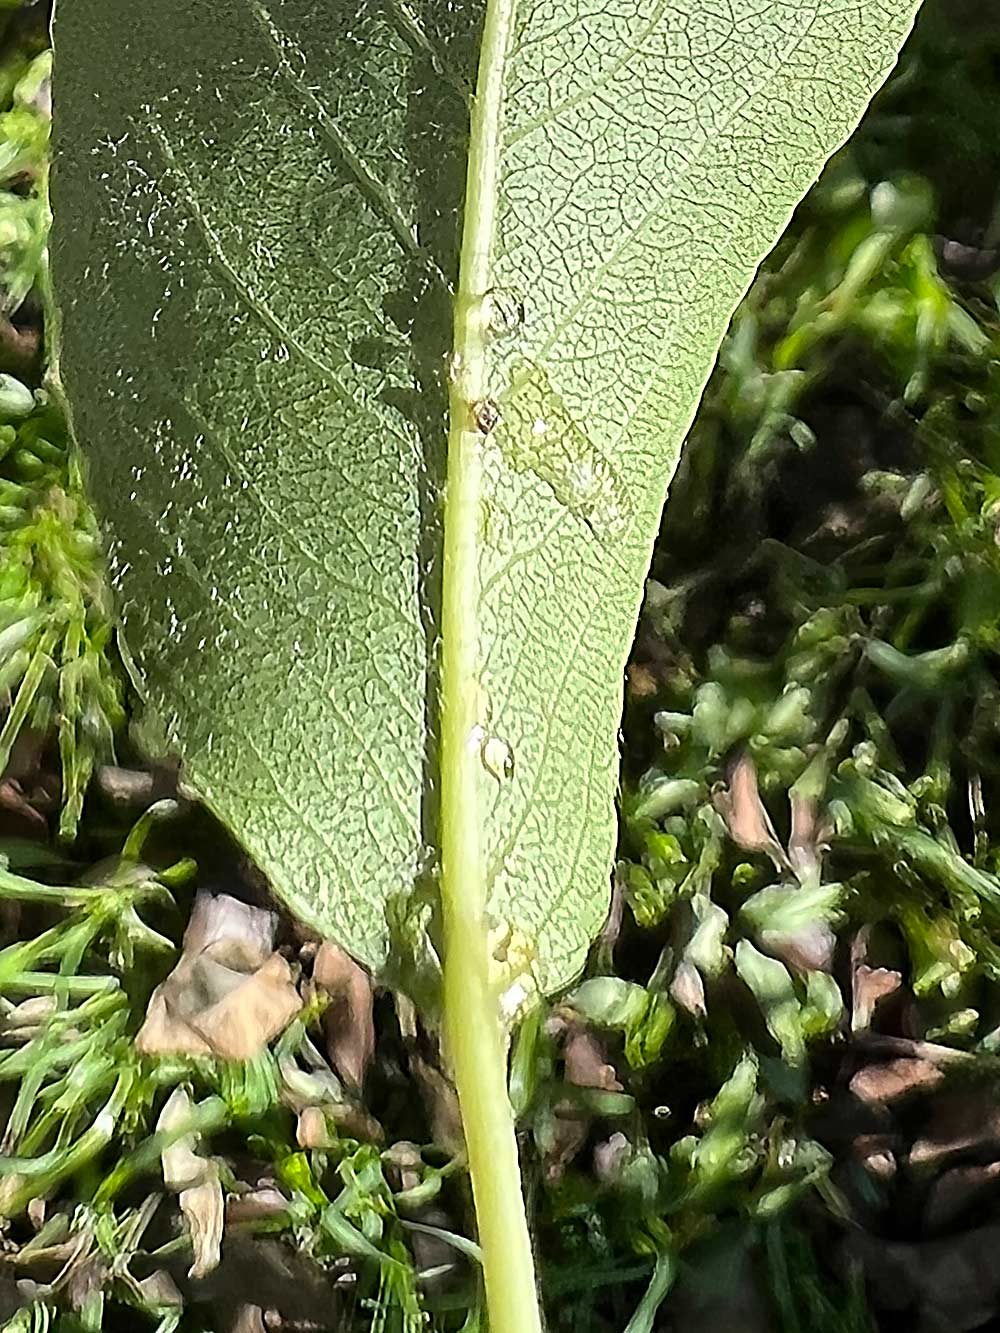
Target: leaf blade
{"x":290,"y":184}
{"x":309,"y":454}
{"x":625,"y":344}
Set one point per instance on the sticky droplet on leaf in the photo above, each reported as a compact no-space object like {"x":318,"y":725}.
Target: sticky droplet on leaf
{"x":498,"y":758}
{"x":504,"y":311}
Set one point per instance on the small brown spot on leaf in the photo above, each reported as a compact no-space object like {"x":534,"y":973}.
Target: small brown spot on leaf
{"x":486,"y":414}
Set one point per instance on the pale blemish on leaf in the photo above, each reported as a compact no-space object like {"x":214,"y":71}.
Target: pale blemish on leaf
{"x":537,"y":434}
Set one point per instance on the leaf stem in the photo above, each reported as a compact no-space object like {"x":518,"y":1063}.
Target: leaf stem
{"x":475,"y":1039}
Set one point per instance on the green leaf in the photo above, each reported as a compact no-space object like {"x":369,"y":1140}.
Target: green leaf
{"x":257,"y":220}
{"x":645,"y":1018}
{"x":656,"y":1293}
{"x":772,"y":987}
{"x":784,"y":908}
{"x":715,"y":1158}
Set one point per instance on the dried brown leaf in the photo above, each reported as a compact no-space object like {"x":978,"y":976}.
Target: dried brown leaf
{"x":869,"y":984}
{"x":566,"y":1134}
{"x":248,"y":1319}
{"x":877,"y":1154}
{"x":311,"y":1130}
{"x":22,"y":816}
{"x":687,"y":989}
{"x":610,"y":1156}
{"x":607,"y":940}
{"x":229,"y":994}
{"x":159,"y":1289}
{"x":810,"y":949}
{"x":952,"y":1283}
{"x":196,"y":1181}
{"x":961,"y":1123}
{"x":405,"y":1159}
{"x":585,"y":1066}
{"x":240,"y":936}
{"x":640,"y":681}
{"x":441,"y":1103}
{"x":349,"y":1022}
{"x":891,"y":1082}
{"x":180,"y":1161}
{"x":85,"y":1280}
{"x":908,"y":1047}
{"x":255,"y":1205}
{"x":746,"y":819}
{"x":25,"y":1021}
{"x":957,"y":1191}
{"x":808,"y":838}
{"x":586,"y":1063}
{"x":203,"y":1208}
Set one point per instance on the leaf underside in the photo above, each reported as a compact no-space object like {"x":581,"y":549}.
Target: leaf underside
{"x":257,"y":212}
